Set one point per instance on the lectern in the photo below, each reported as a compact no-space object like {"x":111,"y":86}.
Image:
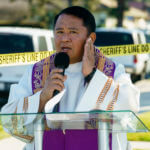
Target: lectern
{"x":106,"y":122}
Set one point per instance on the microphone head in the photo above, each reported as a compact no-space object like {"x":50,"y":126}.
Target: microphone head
{"x":61,"y":60}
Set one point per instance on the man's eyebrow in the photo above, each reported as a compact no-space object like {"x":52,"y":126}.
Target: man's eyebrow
{"x":59,"y":29}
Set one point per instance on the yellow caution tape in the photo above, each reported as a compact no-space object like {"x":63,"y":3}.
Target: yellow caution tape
{"x":23,"y":58}
{"x":122,"y":50}
{"x":109,"y":51}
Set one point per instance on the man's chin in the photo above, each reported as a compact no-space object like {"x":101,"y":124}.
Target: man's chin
{"x":73,"y":61}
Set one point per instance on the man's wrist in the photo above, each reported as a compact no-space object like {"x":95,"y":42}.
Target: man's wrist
{"x":42,"y":101}
{"x":90,"y":75}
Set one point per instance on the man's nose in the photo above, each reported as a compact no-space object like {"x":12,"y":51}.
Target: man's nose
{"x":66,"y":37}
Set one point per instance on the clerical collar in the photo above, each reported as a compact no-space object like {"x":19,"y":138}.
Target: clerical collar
{"x":77,"y":67}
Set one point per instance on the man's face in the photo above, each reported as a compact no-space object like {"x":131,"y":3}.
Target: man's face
{"x":70,"y":35}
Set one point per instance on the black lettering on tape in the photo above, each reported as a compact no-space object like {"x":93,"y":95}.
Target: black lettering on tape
{"x":32,"y":58}
{"x":28,"y":58}
{"x":1,"y":60}
{"x":124,"y":50}
{"x":41,"y":55}
{"x":142,"y":48}
{"x":36,"y":57}
{"x":23,"y":58}
{"x":111,"y":51}
{"x":119,"y":50}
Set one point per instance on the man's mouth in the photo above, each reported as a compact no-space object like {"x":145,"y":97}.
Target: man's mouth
{"x":65,"y":49}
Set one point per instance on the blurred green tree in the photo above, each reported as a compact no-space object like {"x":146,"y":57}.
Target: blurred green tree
{"x":123,"y":5}
{"x":118,"y":12}
{"x":44,"y":11}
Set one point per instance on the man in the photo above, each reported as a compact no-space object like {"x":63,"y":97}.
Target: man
{"x":91,"y":81}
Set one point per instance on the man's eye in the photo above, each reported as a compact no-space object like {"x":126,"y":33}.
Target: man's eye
{"x":74,"y":32}
{"x":59,"y":32}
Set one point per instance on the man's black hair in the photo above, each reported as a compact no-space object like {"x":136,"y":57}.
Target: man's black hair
{"x":82,"y":13}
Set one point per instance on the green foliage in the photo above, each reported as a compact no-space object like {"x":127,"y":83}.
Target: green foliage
{"x":3,"y":134}
{"x":145,"y":117}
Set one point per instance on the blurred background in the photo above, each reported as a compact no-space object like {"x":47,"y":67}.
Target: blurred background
{"x":27,"y":25}
{"x":110,"y":13}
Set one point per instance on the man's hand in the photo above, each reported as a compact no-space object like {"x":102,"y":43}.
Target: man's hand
{"x":88,"y":58}
{"x":55,"y":81}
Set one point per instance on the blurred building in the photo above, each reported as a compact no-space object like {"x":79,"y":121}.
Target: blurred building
{"x":136,"y":16}
{"x":13,"y":12}
{"x":22,"y":13}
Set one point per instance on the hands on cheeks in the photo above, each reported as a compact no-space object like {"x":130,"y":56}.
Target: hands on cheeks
{"x":88,"y":58}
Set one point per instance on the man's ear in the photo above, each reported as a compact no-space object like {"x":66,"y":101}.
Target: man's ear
{"x":93,"y":36}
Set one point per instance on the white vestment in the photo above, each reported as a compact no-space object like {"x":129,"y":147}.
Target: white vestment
{"x":78,"y":97}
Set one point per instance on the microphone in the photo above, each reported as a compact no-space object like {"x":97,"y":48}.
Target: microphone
{"x":61,"y":61}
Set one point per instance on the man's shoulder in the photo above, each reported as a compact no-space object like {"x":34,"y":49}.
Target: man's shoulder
{"x":49,"y":59}
{"x":100,"y":55}
{"x":104,"y":64}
